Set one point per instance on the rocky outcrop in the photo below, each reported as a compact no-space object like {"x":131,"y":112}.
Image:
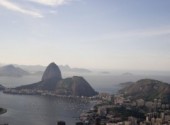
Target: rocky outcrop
{"x":76,"y":86}
{"x":50,"y":78}
{"x":52,"y":81}
{"x":52,"y":71}
{"x":148,"y":89}
{"x":81,"y":87}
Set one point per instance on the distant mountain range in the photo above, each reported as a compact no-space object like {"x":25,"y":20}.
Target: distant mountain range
{"x":63,"y":68}
{"x":147,"y":89}
{"x":12,"y":71}
{"x":23,"y":70}
{"x":52,"y":81}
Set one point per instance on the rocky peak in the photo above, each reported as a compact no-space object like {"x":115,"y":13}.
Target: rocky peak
{"x":52,"y":72}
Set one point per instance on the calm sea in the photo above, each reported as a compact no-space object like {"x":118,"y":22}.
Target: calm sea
{"x":40,"y":110}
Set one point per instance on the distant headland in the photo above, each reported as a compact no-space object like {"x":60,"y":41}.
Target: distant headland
{"x":52,"y":83}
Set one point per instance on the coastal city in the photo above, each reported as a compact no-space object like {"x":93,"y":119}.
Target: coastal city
{"x":115,"y":109}
{"x":144,"y":102}
{"x":84,"y":62}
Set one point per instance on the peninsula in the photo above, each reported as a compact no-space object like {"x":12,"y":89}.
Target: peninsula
{"x":52,"y":83}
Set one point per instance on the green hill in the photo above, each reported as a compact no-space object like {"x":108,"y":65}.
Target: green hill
{"x":148,"y":89}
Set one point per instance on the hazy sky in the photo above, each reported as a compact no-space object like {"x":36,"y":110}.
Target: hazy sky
{"x":116,"y":34}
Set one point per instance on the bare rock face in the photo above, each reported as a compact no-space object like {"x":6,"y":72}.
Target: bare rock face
{"x":81,"y":87}
{"x":52,"y":72}
{"x":76,"y":86}
{"x":52,"y":81}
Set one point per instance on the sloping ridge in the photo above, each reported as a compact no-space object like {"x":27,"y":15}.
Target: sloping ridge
{"x":52,"y":81}
{"x":2,"y":87}
{"x":76,"y":86}
{"x":81,"y":87}
{"x":148,"y":89}
{"x":12,"y":71}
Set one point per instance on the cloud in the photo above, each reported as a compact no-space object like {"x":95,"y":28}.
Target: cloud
{"x":51,"y":2}
{"x":14,"y":7}
{"x":29,"y":11}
